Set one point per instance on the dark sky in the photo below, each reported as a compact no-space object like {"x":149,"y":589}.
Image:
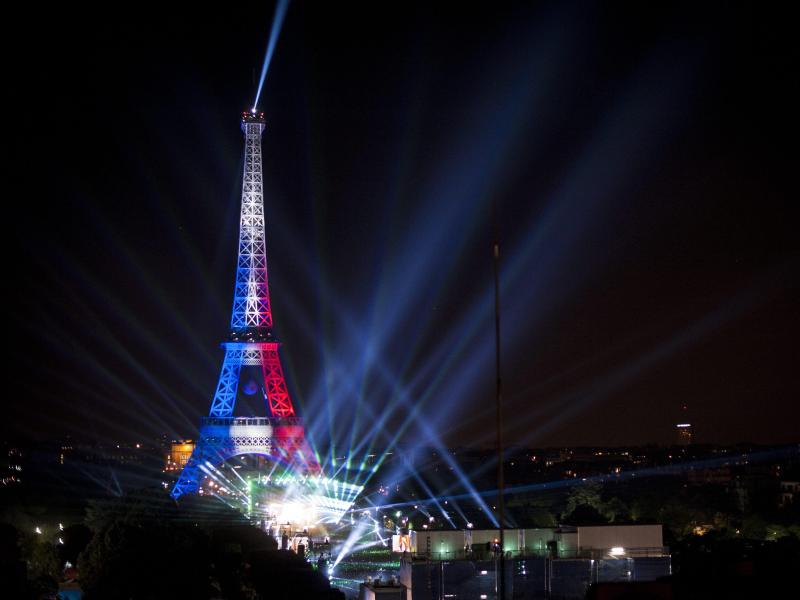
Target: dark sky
{"x":640,"y":157}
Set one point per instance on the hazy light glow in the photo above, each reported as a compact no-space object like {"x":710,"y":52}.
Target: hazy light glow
{"x":362,"y":362}
{"x":277,"y":24}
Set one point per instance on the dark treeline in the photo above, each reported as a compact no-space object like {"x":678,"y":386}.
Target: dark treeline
{"x":143,"y":545}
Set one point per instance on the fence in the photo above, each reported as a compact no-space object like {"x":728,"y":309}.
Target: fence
{"x":483,"y":553}
{"x":529,"y":578}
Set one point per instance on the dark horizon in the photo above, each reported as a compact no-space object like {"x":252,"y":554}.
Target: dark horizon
{"x":640,"y":158}
{"x":151,"y":443}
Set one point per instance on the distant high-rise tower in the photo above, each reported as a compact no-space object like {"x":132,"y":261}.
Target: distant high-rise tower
{"x":684,"y":433}
{"x":252,"y":366}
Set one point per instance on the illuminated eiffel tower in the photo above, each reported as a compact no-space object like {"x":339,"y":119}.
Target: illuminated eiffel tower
{"x":252,"y":366}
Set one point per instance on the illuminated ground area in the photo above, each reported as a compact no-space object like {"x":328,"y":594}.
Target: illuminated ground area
{"x":340,"y":531}
{"x":279,"y":499}
{"x":453,"y":493}
{"x":288,"y":502}
{"x":372,"y":562}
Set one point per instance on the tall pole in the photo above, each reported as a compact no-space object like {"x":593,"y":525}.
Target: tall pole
{"x":499,"y":405}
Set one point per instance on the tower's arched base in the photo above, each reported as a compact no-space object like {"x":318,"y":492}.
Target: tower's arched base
{"x":221,"y":438}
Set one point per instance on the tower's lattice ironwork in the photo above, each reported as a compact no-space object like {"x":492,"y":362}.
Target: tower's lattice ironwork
{"x":251,"y":345}
{"x":251,"y":308}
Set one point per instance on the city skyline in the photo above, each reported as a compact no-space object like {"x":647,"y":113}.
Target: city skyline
{"x":635,"y":156}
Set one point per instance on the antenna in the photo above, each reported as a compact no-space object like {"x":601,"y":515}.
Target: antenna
{"x":498,"y":401}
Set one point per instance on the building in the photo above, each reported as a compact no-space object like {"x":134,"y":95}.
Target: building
{"x":179,"y":453}
{"x":716,"y":476}
{"x":557,"y":542}
{"x":560,"y":562}
{"x":789,"y":493}
{"x":11,"y":465}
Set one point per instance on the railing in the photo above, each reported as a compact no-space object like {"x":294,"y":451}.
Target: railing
{"x":609,"y":553}
{"x":257,"y":421}
{"x":488,"y":554}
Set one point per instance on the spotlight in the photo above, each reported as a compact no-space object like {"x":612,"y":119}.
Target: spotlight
{"x":277,"y":23}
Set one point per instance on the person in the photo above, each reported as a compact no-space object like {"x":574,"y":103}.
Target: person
{"x":284,"y":541}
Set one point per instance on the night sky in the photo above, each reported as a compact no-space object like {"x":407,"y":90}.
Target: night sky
{"x":641,"y":159}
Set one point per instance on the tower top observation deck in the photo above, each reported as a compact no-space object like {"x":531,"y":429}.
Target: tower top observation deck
{"x":252,"y":116}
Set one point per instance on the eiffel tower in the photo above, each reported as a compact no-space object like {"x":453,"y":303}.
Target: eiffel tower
{"x":251,"y":353}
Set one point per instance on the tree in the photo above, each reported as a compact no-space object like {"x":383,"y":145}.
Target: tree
{"x":76,"y":538}
{"x":585,"y":505}
{"x":131,"y":561}
{"x":9,"y":544}
{"x":615,"y":510}
{"x":754,"y":527}
{"x":775,"y":531}
{"x":645,"y":506}
{"x":44,"y":566}
{"x":679,"y":517}
{"x":150,"y":505}
{"x":587,"y":494}
{"x":585,"y":514}
{"x":540,"y":517}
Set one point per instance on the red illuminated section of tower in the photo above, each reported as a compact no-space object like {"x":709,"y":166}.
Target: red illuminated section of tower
{"x":280,"y":403}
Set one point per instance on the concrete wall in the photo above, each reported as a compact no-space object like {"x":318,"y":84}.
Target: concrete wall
{"x":440,"y":541}
{"x":536,"y":539}
{"x":567,"y":543}
{"x":624,"y":536}
{"x":454,"y":541}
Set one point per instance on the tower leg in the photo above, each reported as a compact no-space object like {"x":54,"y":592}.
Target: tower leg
{"x":189,"y":481}
{"x":280,"y":404}
{"x":192,"y":474}
{"x":225,"y":396}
